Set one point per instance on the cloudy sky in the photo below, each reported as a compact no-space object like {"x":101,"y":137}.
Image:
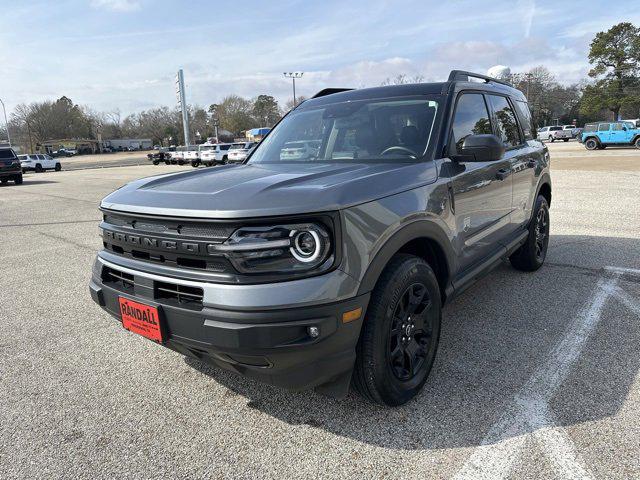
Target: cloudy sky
{"x":123,"y":54}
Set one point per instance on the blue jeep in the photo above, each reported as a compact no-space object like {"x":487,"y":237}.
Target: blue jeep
{"x":602,"y":134}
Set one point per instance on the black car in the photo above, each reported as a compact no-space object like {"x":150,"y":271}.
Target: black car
{"x":10,"y":168}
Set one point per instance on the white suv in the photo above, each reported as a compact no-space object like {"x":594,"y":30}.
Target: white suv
{"x":39,"y":162}
{"x":239,"y":152}
{"x":216,"y":155}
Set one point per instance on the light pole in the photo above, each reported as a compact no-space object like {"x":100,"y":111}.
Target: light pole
{"x":5,"y":122}
{"x":293,"y":76}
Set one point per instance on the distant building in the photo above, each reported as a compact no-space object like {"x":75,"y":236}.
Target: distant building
{"x":256,"y":134}
{"x":126,"y":143}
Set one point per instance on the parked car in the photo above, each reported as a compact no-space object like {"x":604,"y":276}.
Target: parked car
{"x":217,"y":155}
{"x":577,"y":134}
{"x":598,"y":136}
{"x":10,"y":169}
{"x":38,"y":162}
{"x":192,"y":155}
{"x":300,"y":150}
{"x":238,"y":152}
{"x":179,"y":155}
{"x":571,"y":129}
{"x":322,"y":273}
{"x":553,"y":133}
{"x":162,"y":156}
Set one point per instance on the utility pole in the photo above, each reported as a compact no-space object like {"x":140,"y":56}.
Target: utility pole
{"x":5,"y":122}
{"x":293,"y":76}
{"x":183,"y":105}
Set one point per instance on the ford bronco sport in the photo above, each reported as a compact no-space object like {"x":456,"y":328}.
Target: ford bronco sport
{"x":332,"y":268}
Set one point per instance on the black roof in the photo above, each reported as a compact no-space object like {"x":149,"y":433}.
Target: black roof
{"x":457,"y":78}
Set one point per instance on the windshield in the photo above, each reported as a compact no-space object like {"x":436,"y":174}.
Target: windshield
{"x":366,"y":130}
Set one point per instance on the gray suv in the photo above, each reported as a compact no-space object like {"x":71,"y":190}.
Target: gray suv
{"x":331,"y":269}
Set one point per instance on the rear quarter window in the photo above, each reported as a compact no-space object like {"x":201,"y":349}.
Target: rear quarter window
{"x":6,"y":154}
{"x":526,"y":122}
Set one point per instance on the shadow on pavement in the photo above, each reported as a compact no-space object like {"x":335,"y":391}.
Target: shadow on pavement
{"x":494,"y":337}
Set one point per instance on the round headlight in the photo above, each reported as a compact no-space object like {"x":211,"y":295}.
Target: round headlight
{"x":306,"y":246}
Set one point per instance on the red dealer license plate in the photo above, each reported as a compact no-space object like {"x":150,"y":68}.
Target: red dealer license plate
{"x":141,"y":319}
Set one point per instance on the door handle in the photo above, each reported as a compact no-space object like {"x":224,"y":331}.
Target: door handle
{"x":503,"y":173}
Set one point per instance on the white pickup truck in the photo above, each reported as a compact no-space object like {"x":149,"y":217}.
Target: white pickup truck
{"x":553,"y":133}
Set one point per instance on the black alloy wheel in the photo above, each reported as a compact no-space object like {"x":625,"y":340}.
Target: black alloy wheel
{"x":411,"y":333}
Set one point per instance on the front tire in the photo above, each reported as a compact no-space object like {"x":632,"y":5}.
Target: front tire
{"x":18,"y":179}
{"x":566,"y":139}
{"x":58,"y":167}
{"x":39,"y":168}
{"x":400,"y":334}
{"x":637,"y":143}
{"x":530,"y":256}
{"x":552,"y":139}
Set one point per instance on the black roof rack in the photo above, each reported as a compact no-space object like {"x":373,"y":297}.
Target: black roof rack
{"x":330,"y":91}
{"x":463,"y":76}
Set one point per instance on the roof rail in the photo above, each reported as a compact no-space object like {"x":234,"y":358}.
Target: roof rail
{"x":330,"y":91}
{"x":463,"y":76}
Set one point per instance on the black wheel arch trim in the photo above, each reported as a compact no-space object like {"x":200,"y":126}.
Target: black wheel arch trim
{"x":419,"y":229}
{"x":545,"y":179}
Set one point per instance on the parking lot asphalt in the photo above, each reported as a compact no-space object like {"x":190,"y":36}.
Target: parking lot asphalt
{"x":536,"y":376}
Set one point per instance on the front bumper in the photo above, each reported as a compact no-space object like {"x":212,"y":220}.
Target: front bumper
{"x":272,"y":345}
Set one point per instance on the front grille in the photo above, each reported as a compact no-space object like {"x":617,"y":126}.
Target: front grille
{"x":119,"y":280}
{"x":172,"y":242}
{"x":165,"y":293}
{"x":179,"y":295}
{"x":215,"y":233}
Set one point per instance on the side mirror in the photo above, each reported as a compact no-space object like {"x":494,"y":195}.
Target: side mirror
{"x":481,"y":148}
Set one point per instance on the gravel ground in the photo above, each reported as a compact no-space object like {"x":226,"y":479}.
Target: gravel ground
{"x":536,"y":377}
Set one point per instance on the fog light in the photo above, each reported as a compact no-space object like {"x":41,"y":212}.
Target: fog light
{"x":314,"y":332}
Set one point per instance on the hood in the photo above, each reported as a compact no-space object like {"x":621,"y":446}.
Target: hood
{"x":256,"y":190}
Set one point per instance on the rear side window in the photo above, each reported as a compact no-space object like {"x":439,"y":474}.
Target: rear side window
{"x":506,"y":123}
{"x":471,"y":118}
{"x":524,"y":114}
{"x":603,"y":127}
{"x":617,"y":126}
{"x":6,"y":154}
{"x":590,"y":127}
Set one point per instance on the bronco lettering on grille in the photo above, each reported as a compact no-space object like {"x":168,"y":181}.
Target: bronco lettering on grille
{"x":193,"y":248}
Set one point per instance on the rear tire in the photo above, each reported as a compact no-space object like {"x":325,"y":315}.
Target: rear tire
{"x":591,"y":144}
{"x":38,"y":168}
{"x":18,"y":179}
{"x":566,"y":139}
{"x":636,"y":143}
{"x":4,"y":181}
{"x":58,"y":167}
{"x":400,"y":334}
{"x":195,"y":164}
{"x":552,"y":139}
{"x":530,"y":256}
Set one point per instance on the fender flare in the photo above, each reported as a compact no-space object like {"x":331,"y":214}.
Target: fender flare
{"x":418,"y":229}
{"x":545,"y":179}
